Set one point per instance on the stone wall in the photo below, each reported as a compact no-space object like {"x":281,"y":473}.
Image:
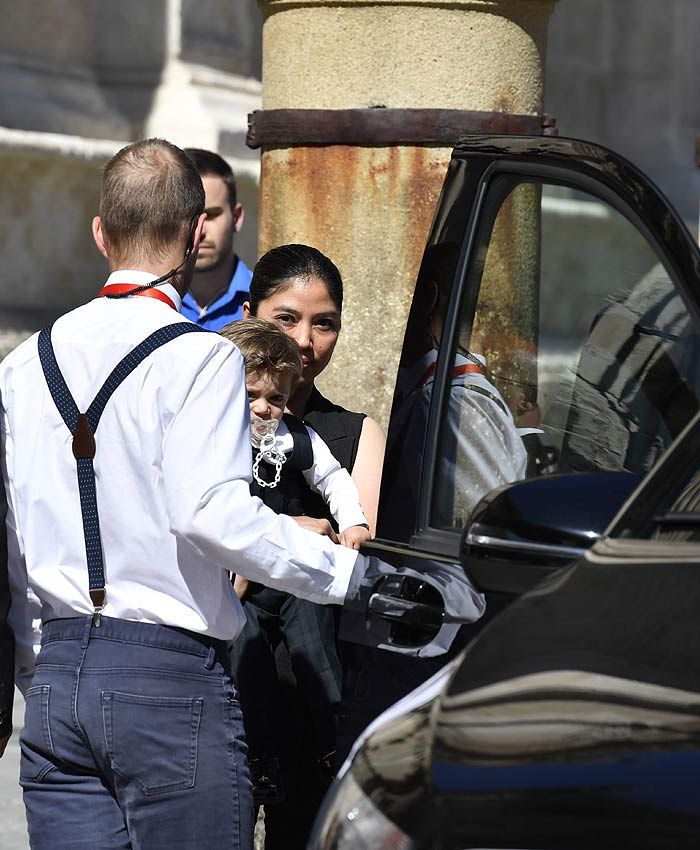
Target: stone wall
{"x":77,"y":82}
{"x":624,"y":74}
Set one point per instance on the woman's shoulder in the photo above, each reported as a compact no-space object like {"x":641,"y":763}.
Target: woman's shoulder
{"x":338,"y":427}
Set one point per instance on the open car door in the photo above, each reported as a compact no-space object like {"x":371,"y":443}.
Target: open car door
{"x":552,"y":340}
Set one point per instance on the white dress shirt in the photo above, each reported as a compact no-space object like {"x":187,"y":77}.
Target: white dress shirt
{"x":328,"y":478}
{"x":173,"y":470}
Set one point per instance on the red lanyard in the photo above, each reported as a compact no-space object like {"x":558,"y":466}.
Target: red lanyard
{"x":121,"y":288}
{"x":467,"y":368}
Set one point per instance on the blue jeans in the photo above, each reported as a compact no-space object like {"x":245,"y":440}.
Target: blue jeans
{"x":134,"y":739}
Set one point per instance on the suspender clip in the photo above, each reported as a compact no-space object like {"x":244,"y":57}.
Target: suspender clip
{"x":97,"y":596}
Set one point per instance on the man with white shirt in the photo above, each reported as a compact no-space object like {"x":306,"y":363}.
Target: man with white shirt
{"x":125,"y":534}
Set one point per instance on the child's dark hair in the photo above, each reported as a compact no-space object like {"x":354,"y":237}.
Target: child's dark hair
{"x":275,"y":268}
{"x":266,"y":348}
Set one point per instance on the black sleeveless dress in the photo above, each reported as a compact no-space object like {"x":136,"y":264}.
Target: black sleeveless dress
{"x":340,"y":430}
{"x":288,"y":824}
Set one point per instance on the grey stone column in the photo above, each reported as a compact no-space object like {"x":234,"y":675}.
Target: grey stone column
{"x":370,"y":208}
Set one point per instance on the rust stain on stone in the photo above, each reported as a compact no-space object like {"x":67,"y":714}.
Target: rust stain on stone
{"x":506,"y":321}
{"x":369,"y":210}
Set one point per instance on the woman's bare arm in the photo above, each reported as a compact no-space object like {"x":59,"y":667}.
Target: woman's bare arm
{"x":367,"y":471}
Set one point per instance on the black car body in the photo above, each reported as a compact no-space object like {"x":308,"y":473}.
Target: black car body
{"x":572,"y":718}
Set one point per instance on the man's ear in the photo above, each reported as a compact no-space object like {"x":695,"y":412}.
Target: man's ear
{"x":246,"y":310}
{"x":238,"y":217}
{"x":196,"y":237}
{"x":99,"y":237}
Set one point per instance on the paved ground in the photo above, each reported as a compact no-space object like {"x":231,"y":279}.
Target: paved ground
{"x":14,"y":827}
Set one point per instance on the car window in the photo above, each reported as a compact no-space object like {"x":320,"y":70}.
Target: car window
{"x":573,"y":351}
{"x":408,"y":430}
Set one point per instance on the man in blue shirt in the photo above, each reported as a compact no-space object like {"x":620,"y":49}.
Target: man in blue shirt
{"x":221,"y":279}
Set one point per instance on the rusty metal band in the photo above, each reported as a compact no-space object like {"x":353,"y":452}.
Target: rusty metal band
{"x":384,"y":127}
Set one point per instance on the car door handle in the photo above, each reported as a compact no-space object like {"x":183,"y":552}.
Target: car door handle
{"x":405,"y":611}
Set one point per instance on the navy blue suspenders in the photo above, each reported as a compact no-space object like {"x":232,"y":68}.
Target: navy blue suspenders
{"x":83,"y":427}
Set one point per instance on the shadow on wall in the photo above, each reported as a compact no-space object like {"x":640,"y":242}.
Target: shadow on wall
{"x":130,"y":54}
{"x":82,"y":69}
{"x":49,"y":260}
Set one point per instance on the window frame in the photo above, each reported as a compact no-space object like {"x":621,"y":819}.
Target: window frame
{"x":446,"y":541}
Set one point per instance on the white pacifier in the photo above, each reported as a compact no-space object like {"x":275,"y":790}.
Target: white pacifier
{"x":263,"y":437}
{"x":262,"y":428}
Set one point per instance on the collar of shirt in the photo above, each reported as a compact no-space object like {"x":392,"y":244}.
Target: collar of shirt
{"x":140,"y":278}
{"x":408,"y":377}
{"x":233,"y":297}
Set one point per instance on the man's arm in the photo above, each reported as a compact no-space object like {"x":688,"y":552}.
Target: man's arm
{"x":207,"y":469}
{"x":7,"y":641}
{"x":24,"y":617}
{"x":481,"y":451}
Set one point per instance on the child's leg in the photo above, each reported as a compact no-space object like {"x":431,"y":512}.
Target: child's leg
{"x":253,"y":666}
{"x":308,"y":631}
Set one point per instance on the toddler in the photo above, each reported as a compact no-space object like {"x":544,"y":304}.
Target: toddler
{"x":290,"y":462}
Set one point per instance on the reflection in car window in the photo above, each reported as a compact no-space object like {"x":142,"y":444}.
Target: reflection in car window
{"x":408,"y":428}
{"x":574,"y":351}
{"x":685,"y":509}
{"x":414,"y":387}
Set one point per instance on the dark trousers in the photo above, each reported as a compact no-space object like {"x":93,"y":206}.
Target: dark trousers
{"x":133,"y":740}
{"x":308,"y":632}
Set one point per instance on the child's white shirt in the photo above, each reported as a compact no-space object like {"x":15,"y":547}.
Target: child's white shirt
{"x":328,"y":478}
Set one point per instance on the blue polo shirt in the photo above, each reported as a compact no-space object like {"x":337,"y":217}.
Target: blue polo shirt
{"x":228,"y":306}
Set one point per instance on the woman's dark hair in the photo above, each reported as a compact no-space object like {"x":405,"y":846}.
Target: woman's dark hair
{"x":274,"y":269}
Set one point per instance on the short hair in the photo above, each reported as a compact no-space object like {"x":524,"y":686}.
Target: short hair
{"x":208,"y":162}
{"x":266,"y":348}
{"x":277,"y":267}
{"x":151,"y":197}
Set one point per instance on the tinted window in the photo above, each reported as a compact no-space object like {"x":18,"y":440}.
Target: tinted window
{"x":573,"y":352}
{"x":408,"y":428}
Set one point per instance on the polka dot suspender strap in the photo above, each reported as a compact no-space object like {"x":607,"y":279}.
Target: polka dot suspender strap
{"x":83,"y":427}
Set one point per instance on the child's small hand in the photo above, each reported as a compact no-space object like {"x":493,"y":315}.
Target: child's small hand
{"x":354,"y":536}
{"x":240,"y":586}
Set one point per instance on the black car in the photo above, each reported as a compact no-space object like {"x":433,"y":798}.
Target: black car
{"x":543,"y":461}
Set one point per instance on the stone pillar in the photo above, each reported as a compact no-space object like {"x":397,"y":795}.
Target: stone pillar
{"x":370,"y":208}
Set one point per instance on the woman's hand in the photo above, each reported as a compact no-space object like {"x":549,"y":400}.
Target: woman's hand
{"x":354,"y":536}
{"x":318,"y":526}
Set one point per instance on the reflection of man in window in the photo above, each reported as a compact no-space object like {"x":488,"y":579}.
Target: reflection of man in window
{"x":480,"y":447}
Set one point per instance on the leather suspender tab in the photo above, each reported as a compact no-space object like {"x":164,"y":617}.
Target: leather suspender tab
{"x":97,"y":597}
{"x":83,"y":439}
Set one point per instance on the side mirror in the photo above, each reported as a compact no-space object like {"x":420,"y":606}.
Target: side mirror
{"x":521,"y":533}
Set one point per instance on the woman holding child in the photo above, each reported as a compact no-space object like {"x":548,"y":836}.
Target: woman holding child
{"x":301,"y":291}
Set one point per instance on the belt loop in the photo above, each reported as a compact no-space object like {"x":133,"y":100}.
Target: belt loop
{"x":86,"y":632}
{"x":210,"y":660}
